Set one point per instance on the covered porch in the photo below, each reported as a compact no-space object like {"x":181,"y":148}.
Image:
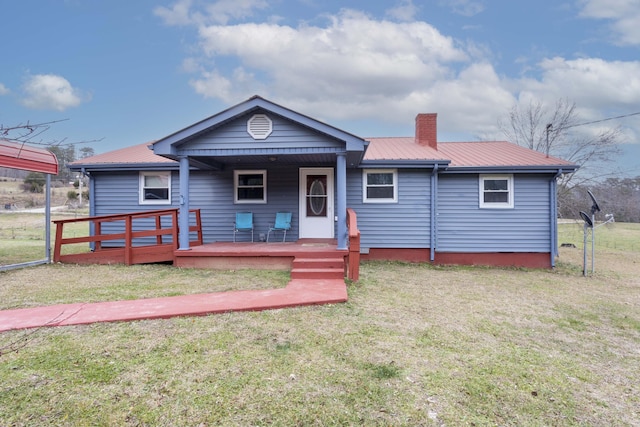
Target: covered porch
{"x":263,"y":158}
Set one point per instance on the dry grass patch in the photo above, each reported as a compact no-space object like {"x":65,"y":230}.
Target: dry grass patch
{"x":66,"y":283}
{"x":414,"y":345}
{"x":22,"y":236}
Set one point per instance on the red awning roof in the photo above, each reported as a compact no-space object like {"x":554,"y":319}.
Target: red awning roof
{"x":21,"y":156}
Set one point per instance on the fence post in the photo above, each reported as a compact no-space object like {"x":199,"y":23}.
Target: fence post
{"x":353,"y":267}
{"x":128,"y":240}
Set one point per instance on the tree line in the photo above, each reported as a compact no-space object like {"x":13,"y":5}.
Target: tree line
{"x":619,"y":197}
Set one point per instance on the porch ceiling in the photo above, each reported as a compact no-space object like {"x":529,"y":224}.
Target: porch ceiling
{"x":222,"y":162}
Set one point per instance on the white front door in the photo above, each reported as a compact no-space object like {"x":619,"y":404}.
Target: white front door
{"x":316,"y":203}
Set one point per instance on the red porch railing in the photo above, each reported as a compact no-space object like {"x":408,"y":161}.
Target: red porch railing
{"x":353,"y":265}
{"x":134,"y":250}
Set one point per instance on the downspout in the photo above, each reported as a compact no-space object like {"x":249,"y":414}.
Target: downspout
{"x":434,"y":194}
{"x":553,"y":196}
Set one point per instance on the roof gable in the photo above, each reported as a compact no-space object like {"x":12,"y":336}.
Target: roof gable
{"x":170,"y":145}
{"x":235,"y":135}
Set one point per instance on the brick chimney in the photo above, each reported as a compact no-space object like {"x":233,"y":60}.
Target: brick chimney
{"x":427,"y":130}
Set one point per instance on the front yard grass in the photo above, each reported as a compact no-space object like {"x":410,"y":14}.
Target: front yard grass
{"x":415,"y":345}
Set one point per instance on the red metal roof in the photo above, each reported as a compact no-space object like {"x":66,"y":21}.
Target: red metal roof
{"x":135,"y":154}
{"x":495,"y":153}
{"x":461,"y":154}
{"x":21,"y":156}
{"x":400,"y":148}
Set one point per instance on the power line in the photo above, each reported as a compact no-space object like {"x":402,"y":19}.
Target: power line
{"x":597,"y":121}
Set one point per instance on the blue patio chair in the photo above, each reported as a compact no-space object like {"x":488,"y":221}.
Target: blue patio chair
{"x":244,"y":222}
{"x":283,"y":223}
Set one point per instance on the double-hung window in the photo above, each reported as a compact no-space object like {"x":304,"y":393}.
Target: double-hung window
{"x":379,"y":186}
{"x":155,"y":188}
{"x":250,"y":186}
{"x":496,"y":191}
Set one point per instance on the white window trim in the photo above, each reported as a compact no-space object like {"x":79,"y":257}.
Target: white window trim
{"x":497,"y":205}
{"x":237,"y":173}
{"x":141,"y":187}
{"x":365,"y":199}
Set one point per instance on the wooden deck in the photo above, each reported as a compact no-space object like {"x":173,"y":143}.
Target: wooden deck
{"x":306,"y":258}
{"x":147,"y":237}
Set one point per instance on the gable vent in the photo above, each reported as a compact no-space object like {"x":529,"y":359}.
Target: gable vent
{"x":259,"y":126}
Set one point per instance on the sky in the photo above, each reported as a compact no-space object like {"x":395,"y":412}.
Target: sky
{"x":116,"y":73}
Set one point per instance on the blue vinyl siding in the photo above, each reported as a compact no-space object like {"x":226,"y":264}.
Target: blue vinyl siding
{"x":461,"y":225}
{"x":212,"y":193}
{"x":286,"y":134}
{"x":464,"y":227}
{"x":405,"y":224}
{"x":118,"y":193}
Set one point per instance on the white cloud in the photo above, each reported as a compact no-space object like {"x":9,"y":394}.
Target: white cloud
{"x":220,"y":12}
{"x":4,"y":90}
{"x":353,"y":61}
{"x":212,"y":82}
{"x":590,"y":82}
{"x":178,"y":14}
{"x":601,"y":89}
{"x":404,"y":11}
{"x":464,"y":7}
{"x":50,"y":92}
{"x":623,"y":14}
{"x":355,"y":67}
{"x":223,"y":11}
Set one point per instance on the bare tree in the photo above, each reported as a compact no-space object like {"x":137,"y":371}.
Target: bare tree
{"x":31,"y":134}
{"x":28,"y":132}
{"x":550,"y":130}
{"x":86,"y":152}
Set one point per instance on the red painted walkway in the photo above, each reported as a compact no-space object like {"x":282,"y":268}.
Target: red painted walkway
{"x":298,"y":292}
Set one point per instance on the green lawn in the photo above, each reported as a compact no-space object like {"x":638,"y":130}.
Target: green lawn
{"x":22,"y":236}
{"x":415,"y":345}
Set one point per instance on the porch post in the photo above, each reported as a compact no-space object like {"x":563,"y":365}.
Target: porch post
{"x":183,"y":212}
{"x":341,"y":192}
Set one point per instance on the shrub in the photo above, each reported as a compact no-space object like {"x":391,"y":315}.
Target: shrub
{"x":34,"y":183}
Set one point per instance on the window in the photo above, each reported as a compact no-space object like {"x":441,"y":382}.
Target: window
{"x":155,"y":188}
{"x":250,"y":186}
{"x":496,"y":191}
{"x":380,"y":186}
